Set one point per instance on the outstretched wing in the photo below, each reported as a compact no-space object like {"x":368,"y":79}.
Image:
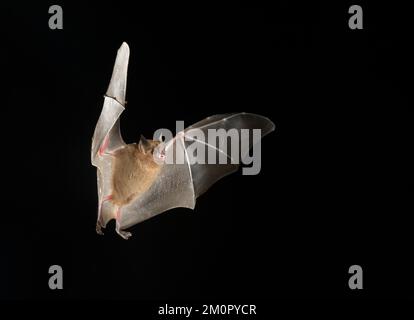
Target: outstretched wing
{"x":204,"y":175}
{"x":107,"y":136}
{"x":185,"y":178}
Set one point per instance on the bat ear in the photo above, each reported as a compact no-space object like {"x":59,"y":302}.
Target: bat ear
{"x":144,"y":145}
{"x":160,"y":138}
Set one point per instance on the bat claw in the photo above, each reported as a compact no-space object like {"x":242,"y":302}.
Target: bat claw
{"x":124,"y":234}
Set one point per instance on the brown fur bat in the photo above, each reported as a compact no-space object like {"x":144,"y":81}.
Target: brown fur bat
{"x":135,"y":182}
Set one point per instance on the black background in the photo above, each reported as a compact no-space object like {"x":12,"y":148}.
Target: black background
{"x":333,"y":189}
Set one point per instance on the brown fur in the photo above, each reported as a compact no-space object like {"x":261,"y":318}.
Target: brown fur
{"x":133,"y":171}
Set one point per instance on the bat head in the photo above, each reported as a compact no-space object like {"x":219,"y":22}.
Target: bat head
{"x":147,"y":146}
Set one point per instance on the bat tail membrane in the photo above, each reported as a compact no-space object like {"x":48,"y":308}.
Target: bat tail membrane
{"x":117,"y":86}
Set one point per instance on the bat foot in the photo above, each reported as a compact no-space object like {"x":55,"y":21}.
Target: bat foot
{"x":124,"y":234}
{"x":99,"y":229}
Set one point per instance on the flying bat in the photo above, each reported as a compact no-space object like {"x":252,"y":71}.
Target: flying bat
{"x":135,"y":182}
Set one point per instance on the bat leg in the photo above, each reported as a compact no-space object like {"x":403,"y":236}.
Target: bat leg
{"x":123,"y":234}
{"x":99,"y":222}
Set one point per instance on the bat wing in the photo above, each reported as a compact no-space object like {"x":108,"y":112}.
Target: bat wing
{"x":205,"y":175}
{"x":107,"y":136}
{"x":107,"y":133}
{"x":180,"y":183}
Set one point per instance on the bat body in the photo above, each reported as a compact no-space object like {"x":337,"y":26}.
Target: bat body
{"x":134,"y":171}
{"x":134,"y":180}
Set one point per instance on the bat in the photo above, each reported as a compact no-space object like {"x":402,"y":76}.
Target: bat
{"x":135,"y":182}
